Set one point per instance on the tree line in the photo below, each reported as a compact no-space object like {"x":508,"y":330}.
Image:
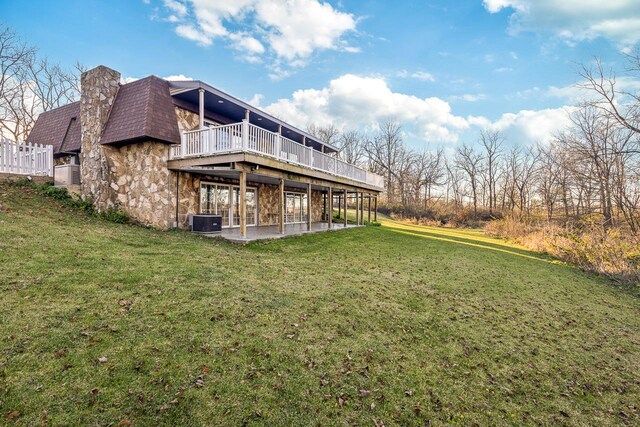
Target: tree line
{"x":590,"y":169}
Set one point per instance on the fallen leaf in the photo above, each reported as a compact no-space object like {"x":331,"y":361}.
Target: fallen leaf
{"x":103,"y":359}
{"x":408,"y":393}
{"x":124,"y":423}
{"x":13,"y":414}
{"x":364,"y":393}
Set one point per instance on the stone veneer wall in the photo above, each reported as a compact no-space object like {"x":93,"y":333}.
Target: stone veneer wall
{"x":99,"y":87}
{"x":187,"y":120}
{"x":144,"y":186}
{"x":189,"y":198}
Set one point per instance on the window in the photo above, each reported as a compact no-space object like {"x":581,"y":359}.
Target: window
{"x":295,"y":207}
{"x":223,"y":200}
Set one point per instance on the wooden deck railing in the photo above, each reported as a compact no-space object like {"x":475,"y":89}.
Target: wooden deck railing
{"x":246,"y":137}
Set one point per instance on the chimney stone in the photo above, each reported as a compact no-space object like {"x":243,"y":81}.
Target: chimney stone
{"x":98,"y":90}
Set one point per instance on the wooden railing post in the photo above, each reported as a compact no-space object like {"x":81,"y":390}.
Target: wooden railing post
{"x":245,"y":134}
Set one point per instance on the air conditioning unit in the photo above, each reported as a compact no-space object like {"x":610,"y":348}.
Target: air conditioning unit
{"x":206,"y":223}
{"x":67,"y":175}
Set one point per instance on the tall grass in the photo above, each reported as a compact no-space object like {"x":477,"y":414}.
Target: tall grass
{"x":613,"y":252}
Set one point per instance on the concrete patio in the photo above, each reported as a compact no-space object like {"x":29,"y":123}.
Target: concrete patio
{"x":273,"y":232}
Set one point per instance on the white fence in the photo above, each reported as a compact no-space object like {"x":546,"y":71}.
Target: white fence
{"x":238,"y":137}
{"x":25,"y":159}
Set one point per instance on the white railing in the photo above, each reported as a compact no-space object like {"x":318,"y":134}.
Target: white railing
{"x":238,"y":137}
{"x":26,"y":158}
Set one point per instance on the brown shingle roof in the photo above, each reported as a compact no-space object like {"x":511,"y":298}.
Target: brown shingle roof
{"x":58,"y":126}
{"x":142,"y":109}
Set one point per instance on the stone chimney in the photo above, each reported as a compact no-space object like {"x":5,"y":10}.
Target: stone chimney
{"x":98,"y":89}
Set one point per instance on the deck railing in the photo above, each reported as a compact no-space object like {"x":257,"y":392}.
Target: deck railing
{"x":246,"y":137}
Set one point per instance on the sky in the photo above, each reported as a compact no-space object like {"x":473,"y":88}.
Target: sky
{"x":444,"y":70}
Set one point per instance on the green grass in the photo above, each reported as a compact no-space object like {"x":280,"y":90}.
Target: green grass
{"x":396,"y":324}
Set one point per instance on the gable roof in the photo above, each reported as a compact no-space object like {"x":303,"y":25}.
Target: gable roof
{"x":143,"y":109}
{"x":59,"y":127}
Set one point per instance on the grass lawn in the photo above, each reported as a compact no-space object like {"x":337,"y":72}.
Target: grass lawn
{"x":108,"y":324}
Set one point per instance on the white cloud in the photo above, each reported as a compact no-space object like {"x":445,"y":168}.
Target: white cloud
{"x":177,"y":77}
{"x":179,"y":9}
{"x":288,"y":32}
{"x":356,"y":102}
{"x":529,"y":126}
{"x":190,"y":32}
{"x":419,"y":75}
{"x":503,"y":70}
{"x":256,"y":99}
{"x":469,"y":97}
{"x":574,"y":20}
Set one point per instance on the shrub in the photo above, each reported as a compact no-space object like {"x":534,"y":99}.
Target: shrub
{"x":114,"y":215}
{"x":613,"y":252}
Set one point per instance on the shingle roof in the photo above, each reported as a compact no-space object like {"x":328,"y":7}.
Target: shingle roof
{"x":59,"y":127}
{"x":142,"y":109}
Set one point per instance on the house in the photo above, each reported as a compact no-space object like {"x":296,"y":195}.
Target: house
{"x":162,"y":151}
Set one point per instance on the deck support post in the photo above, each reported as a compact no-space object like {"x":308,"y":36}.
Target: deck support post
{"x":308,"y":206}
{"x":330,"y":203}
{"x":369,"y":208}
{"x":375,"y":209}
{"x":201,"y":107}
{"x":243,"y":204}
{"x":281,"y":204}
{"x":357,"y":212}
{"x":345,"y":208}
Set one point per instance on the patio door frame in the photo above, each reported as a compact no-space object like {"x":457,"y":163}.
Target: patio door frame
{"x":231,"y":190}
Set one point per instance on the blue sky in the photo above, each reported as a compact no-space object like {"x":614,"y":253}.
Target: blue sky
{"x":443,"y":69}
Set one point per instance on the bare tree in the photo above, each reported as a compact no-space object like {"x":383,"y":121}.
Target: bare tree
{"x":622,"y":106}
{"x":492,"y":142}
{"x":470,"y":162}
{"x":352,"y":147}
{"x":386,"y":152}
{"x":328,"y":134}
{"x":29,"y":85}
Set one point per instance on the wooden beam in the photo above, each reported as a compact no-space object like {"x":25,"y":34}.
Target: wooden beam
{"x":308,"y":207}
{"x":369,"y":208}
{"x":281,"y":210}
{"x":243,"y":204}
{"x":330,"y":207}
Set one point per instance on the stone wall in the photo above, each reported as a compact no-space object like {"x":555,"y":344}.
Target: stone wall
{"x":99,"y":87}
{"x":187,"y":120}
{"x":268,"y":200}
{"x":316,"y":205}
{"x":144,"y":186}
{"x":189,"y":198}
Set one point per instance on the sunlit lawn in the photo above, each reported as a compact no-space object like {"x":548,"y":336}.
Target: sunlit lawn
{"x":106,"y":324}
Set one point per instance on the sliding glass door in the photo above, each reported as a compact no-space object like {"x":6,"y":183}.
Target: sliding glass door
{"x":224,"y":200}
{"x":295,"y":208}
